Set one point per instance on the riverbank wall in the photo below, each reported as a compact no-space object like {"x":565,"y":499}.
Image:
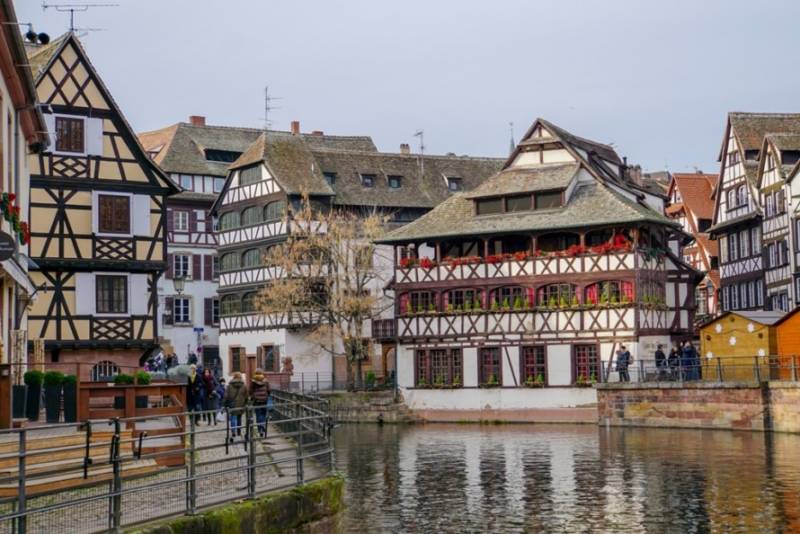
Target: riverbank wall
{"x":368,"y":407}
{"x":311,"y":508}
{"x":768,"y":406}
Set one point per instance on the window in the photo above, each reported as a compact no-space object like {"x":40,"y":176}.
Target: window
{"x":609,"y":292}
{"x":219,"y":183}
{"x":181,"y":221}
{"x":395,"y":181}
{"x":741,"y":196}
{"x":229,"y":220}
{"x":229,"y":261}
{"x":488,"y":206}
{"x":463,"y":299}
{"x":731,"y":194}
{"x":230,"y":305}
{"x":508,"y":296}
{"x":69,"y":135}
{"x":733,"y":157}
{"x":251,"y":258}
{"x":518,"y":203}
{"x":733,"y":247}
{"x":703,"y":224}
{"x":180,"y":310}
{"x":250,"y":175}
{"x":104,"y":371}
{"x":489,"y":370}
{"x":223,"y":156}
{"x":755,"y":240}
{"x":114,"y":214}
{"x":770,"y":205}
{"x":249,"y":302}
{"x":330,"y":177}
{"x":270,"y":358}
{"x":236,"y":360}
{"x":180,"y":265}
{"x":734,"y":297}
{"x":533,"y":365}
{"x":215,"y":311}
{"x":112,"y":294}
{"x":548,"y":200}
{"x":187,"y":182}
{"x":556,"y":242}
{"x":455,"y":184}
{"x":585,"y":362}
{"x":274,"y":210}
{"x":251,"y":215}
{"x":367,"y":180}
{"x":780,"y":201}
{"x":744,"y":243}
{"x":421,"y":301}
{"x":557,"y":295}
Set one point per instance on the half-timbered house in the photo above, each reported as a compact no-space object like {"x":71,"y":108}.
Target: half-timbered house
{"x":254,"y":212}
{"x":22,"y":131}
{"x":781,"y":152}
{"x":97,"y":219}
{"x":793,"y":198}
{"x":532,"y":281}
{"x":691,"y":204}
{"x":737,"y":210}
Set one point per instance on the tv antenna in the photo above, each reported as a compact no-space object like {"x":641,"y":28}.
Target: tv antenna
{"x":268,"y":107}
{"x":421,"y":135}
{"x":72,"y":9}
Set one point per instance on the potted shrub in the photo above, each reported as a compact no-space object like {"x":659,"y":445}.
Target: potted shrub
{"x":121,"y":379}
{"x":431,"y":308}
{"x":535,"y":382}
{"x":477,"y":305}
{"x":70,"y":399}
{"x":33,"y":379}
{"x":53,"y":381}
{"x":369,"y":380}
{"x":506,"y":304}
{"x":517,"y":302}
{"x":456,"y":381}
{"x":438,"y":381}
{"x":422,"y":383}
{"x":143,"y":378}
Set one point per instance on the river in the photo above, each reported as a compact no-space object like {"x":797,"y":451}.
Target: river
{"x":536,"y":478}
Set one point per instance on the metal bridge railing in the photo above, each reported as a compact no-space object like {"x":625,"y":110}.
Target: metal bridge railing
{"x":103,"y":476}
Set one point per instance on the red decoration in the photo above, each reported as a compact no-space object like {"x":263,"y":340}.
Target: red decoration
{"x":427,"y":263}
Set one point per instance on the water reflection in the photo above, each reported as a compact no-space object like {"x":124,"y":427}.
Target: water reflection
{"x":464,"y":478}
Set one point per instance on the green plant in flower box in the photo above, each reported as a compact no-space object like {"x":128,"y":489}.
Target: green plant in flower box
{"x":551,"y":303}
{"x":477,"y":305}
{"x":506,"y":304}
{"x":431,"y":308}
{"x":438,"y":381}
{"x":494,"y":306}
{"x":492,"y":380}
{"x":575,"y":302}
{"x":539,"y":380}
{"x":467,"y":306}
{"x":624,"y":299}
{"x":518,"y":303}
{"x":456,"y":381}
{"x":421,"y":383}
{"x":420,"y":309}
{"x":604,"y":298}
{"x":614,"y":300}
{"x":562,"y":302}
{"x":449,"y":308}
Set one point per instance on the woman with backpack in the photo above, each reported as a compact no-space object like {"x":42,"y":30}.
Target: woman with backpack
{"x":235,"y":401}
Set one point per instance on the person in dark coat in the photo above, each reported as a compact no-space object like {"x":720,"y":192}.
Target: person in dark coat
{"x":661,"y":362}
{"x":689,"y":361}
{"x":259,"y":393}
{"x":194,"y":391}
{"x":209,"y":397}
{"x":235,"y":401}
{"x":623,"y":361}
{"x":674,"y":361}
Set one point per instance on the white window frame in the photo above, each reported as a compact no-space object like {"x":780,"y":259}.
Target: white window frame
{"x":188,"y":300}
{"x":129,"y":302}
{"x":191,"y":180}
{"x":180,"y":215}
{"x":221,"y":182}
{"x":187,"y":274}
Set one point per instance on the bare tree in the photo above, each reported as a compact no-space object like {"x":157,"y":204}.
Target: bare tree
{"x":332,"y":279}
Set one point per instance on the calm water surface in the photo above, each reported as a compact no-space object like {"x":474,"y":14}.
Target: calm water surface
{"x":470,"y":478}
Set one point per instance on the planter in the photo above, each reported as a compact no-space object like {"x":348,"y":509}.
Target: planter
{"x":142,"y":401}
{"x":18,"y":401}
{"x":52,"y":402}
{"x":70,"y":403}
{"x":33,"y":402}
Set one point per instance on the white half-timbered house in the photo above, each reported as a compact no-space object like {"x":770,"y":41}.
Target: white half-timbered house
{"x":793,"y":199}
{"x":254,"y":213}
{"x":737,"y":210}
{"x":535,"y":279}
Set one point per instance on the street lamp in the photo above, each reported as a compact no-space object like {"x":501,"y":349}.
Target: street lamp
{"x":180,"y":283}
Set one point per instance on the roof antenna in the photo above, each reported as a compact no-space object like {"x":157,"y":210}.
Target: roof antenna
{"x":513,"y":145}
{"x":71,"y":9}
{"x":421,"y":159}
{"x":267,"y":108}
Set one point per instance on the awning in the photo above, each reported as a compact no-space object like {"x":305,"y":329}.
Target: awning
{"x":13,"y":270}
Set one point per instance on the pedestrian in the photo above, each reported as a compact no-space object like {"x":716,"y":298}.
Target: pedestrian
{"x":259,"y":393}
{"x":674,"y":361}
{"x":192,"y":359}
{"x":220,"y":396}
{"x":209,"y":397}
{"x":235,"y":400}
{"x":623,"y":361}
{"x":687,"y":361}
{"x":661,"y":361}
{"x":194,"y":391}
{"x":169,"y":361}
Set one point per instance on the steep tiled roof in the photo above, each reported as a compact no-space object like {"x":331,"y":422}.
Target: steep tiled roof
{"x":750,"y":128}
{"x":528,"y":179}
{"x":591,"y":204}
{"x":696,"y":192}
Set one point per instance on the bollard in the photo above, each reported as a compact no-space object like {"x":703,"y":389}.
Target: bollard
{"x":115,"y":515}
{"x":191,"y":486}
{"x":22,"y":520}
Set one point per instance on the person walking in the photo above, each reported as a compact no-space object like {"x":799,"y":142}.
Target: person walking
{"x":623,"y":361}
{"x":194,"y":391}
{"x":235,"y":401}
{"x":220,"y":397}
{"x":674,"y":361}
{"x":259,"y":393}
{"x":661,"y":362}
{"x":209,"y":397}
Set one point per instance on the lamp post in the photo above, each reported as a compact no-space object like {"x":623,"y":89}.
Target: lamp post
{"x":180,"y":284}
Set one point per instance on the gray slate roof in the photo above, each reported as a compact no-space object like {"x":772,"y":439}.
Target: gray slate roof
{"x":528,"y":179}
{"x":591,"y":204}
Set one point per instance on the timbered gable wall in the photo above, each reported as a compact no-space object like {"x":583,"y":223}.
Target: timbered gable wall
{"x":240,"y":193}
{"x":199,"y":225}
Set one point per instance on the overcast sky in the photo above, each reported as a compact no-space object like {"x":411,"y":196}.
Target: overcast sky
{"x":653,"y":78}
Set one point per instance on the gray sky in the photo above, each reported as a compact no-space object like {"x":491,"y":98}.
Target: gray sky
{"x":653,"y":78}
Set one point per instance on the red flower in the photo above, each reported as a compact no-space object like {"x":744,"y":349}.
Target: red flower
{"x":405,"y":263}
{"x":427,"y":263}
{"x":520,"y":256}
{"x":12,"y":197}
{"x":493,"y":258}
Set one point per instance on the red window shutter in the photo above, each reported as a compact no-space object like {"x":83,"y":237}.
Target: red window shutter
{"x":207,"y":304}
{"x":170,"y":261}
{"x":169,"y":310}
{"x":404,"y":303}
{"x":192,"y":221}
{"x":531,"y":296}
{"x":197,"y":266}
{"x":627,"y":290}
{"x":208,"y":262}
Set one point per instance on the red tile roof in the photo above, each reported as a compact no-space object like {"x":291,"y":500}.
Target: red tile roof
{"x":696,"y":190}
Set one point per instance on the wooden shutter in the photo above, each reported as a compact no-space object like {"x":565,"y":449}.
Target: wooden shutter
{"x":169,"y":310}
{"x":197,"y":266}
{"x":170,"y":265}
{"x":170,"y":220}
{"x":192,"y":221}
{"x":207,"y":313}
{"x":208,"y":262}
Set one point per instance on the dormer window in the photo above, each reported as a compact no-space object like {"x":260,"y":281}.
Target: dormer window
{"x":69,"y":134}
{"x":222,"y":156}
{"x":548,"y":200}
{"x":518,"y":203}
{"x":367,"y":180}
{"x":330,"y":177}
{"x":395,"y":181}
{"x":487,"y":206}
{"x":454,"y":184}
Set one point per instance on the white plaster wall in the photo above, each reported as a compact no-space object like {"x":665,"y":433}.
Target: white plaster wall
{"x":559,"y":365}
{"x":556,"y":156}
{"x":498,"y":398}
{"x":470,"y":356}
{"x":511,"y":366}
{"x":405,"y":365}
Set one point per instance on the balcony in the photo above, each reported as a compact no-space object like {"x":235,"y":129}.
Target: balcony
{"x":255,"y":232}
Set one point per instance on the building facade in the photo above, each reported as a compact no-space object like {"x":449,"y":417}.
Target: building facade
{"x":738,"y":213}
{"x":98,"y":213}
{"x":22,"y":131}
{"x":255,"y":210}
{"x":691,"y":204}
{"x":517,"y":294}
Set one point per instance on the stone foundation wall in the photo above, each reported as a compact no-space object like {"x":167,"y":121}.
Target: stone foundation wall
{"x":736,"y":406}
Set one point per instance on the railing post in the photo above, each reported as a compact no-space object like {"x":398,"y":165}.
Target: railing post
{"x":22,"y":520}
{"x":757,"y":369}
{"x":302,"y":382}
{"x":115,"y":517}
{"x":794,"y":368}
{"x":191,"y":486}
{"x":317,"y":382}
{"x":680,"y":370}
{"x":719,"y":370}
{"x":299,"y":446}
{"x":251,"y":454}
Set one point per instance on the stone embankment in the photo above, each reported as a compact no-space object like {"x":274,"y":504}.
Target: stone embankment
{"x":369,"y":407}
{"x":769,"y":406}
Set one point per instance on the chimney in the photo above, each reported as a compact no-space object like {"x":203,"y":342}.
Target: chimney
{"x":318,"y":132}
{"x":405,"y":148}
{"x":197,"y":120}
{"x":295,"y":127}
